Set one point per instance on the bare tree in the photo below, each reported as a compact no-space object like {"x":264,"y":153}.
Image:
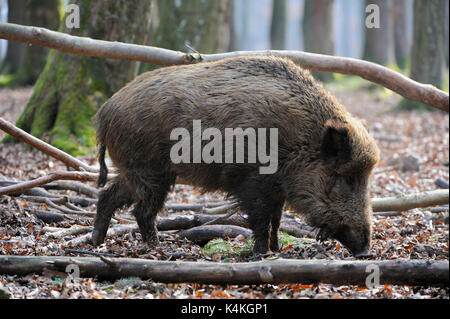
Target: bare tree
{"x":379,"y":43}
{"x":318,"y":29}
{"x":203,"y":24}
{"x":401,"y":15}
{"x":16,"y":51}
{"x":278,"y":25}
{"x":427,"y":53}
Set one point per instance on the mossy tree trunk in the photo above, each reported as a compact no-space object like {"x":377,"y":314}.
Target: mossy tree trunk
{"x":278,"y":25}
{"x":318,"y":30}
{"x":71,"y":87}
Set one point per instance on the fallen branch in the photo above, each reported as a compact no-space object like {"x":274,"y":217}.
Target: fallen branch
{"x":48,"y":217}
{"x":44,"y":147}
{"x":87,"y":252}
{"x":220,"y":209}
{"x":419,"y":200}
{"x":193,"y":207}
{"x":201,"y":234}
{"x":61,"y":233}
{"x":42,"y":192}
{"x":218,"y":219}
{"x":390,"y":79}
{"x":52,"y":202}
{"x":188,"y":221}
{"x":116,"y":230}
{"x":395,"y":272}
{"x":73,"y":186}
{"x":441,"y":183}
{"x":294,"y":230}
{"x":20,"y":187}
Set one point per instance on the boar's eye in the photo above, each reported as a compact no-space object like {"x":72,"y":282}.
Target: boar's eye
{"x":351,"y":181}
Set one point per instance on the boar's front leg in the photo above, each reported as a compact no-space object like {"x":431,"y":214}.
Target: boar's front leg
{"x":275,"y":225}
{"x":113,"y":197}
{"x":263,"y":203}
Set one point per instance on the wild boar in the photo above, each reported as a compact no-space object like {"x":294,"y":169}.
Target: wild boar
{"x":324,"y":155}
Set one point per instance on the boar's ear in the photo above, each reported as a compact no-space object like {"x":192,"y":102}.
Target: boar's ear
{"x":335,"y":146}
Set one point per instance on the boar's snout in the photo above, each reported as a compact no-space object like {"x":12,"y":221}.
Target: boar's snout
{"x":357,"y":241}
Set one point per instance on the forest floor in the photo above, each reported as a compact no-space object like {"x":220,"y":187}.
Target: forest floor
{"x":414,"y":154}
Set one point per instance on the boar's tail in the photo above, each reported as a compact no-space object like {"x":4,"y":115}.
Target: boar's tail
{"x":103,"y":169}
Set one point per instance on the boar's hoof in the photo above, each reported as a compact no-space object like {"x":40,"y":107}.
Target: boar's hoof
{"x":151,"y":239}
{"x":97,"y":238}
{"x":274,"y":247}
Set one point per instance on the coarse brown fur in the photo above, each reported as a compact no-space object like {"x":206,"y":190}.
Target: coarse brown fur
{"x":325,"y":156}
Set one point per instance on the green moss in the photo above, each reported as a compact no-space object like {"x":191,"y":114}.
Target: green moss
{"x":286,"y":240}
{"x":445,"y":84}
{"x":7,"y":80}
{"x":228,"y":248}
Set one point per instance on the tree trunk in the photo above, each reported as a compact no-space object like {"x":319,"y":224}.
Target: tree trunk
{"x":446,"y":35}
{"x":15,"y":51}
{"x":234,"y":37}
{"x":25,"y":63}
{"x":427,"y":52}
{"x":202,"y":24}
{"x":379,"y":43}
{"x":402,"y":41}
{"x":318,"y":30}
{"x":71,"y":87}
{"x":41,"y":13}
{"x":279,"y":25}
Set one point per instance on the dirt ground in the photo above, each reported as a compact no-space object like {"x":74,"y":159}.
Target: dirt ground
{"x":414,"y":154}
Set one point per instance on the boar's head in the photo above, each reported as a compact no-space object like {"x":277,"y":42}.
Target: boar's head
{"x":333,"y":191}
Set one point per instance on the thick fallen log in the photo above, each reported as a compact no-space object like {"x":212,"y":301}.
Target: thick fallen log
{"x":390,"y":79}
{"x":405,"y":202}
{"x":395,"y":272}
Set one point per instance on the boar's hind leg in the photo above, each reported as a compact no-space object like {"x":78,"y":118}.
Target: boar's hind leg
{"x":152,"y":196}
{"x":114,"y":197}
